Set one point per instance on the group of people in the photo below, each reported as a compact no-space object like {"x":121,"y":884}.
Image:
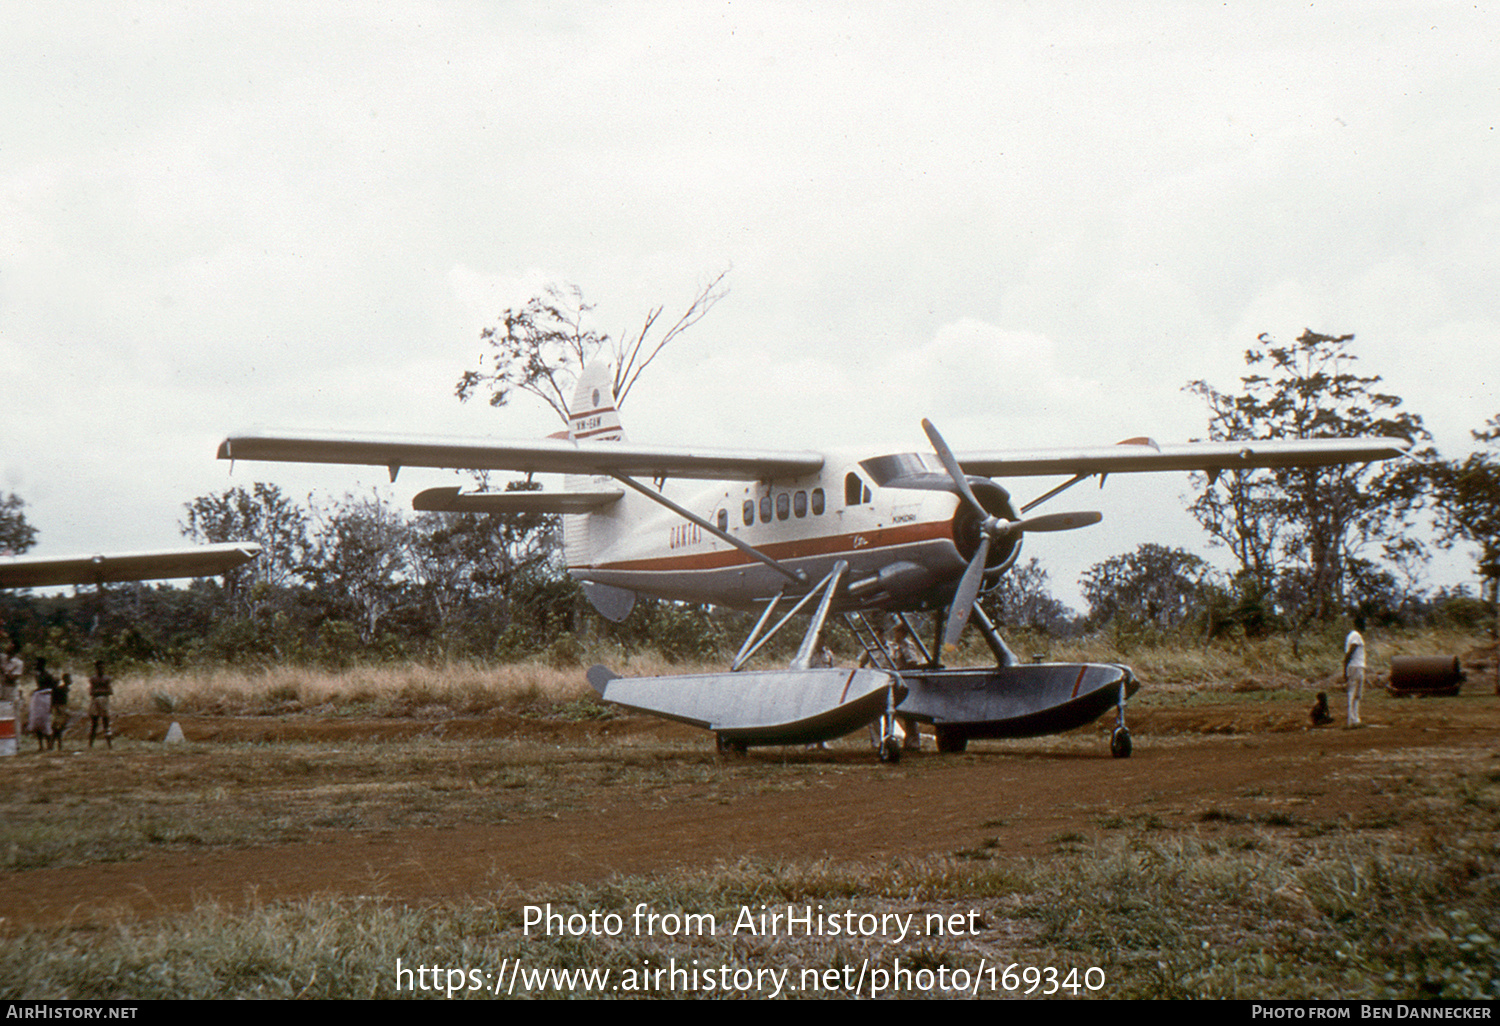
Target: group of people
{"x":47,"y":709}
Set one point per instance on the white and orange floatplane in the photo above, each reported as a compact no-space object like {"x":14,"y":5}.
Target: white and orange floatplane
{"x":833,"y":533}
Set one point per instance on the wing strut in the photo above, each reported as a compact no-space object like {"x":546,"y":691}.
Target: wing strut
{"x":829,"y":584}
{"x":796,"y":576}
{"x":746,"y":651}
{"x":1003,"y":655}
{"x":809,"y":647}
{"x":1056,"y":491}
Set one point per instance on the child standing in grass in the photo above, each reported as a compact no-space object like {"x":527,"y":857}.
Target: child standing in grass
{"x":60,"y":709}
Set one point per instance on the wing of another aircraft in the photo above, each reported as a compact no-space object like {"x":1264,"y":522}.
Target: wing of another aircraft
{"x":545,"y":455}
{"x":51,"y":571}
{"x":1143,"y":455}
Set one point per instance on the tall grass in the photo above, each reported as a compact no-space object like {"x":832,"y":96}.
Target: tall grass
{"x":418,"y":689}
{"x":407,"y":689}
{"x":1172,"y":659}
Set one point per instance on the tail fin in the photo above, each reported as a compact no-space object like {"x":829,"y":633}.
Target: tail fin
{"x":593,"y":415}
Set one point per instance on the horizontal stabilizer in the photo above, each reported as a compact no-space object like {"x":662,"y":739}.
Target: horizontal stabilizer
{"x":454,"y":500}
{"x":52,"y":571}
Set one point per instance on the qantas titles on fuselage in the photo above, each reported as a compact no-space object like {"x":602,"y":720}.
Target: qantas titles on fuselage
{"x":800,"y":522}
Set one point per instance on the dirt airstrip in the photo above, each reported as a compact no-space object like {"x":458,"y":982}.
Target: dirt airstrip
{"x":1232,"y":763}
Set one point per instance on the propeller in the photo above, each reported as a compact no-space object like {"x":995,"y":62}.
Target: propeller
{"x":991,"y":529}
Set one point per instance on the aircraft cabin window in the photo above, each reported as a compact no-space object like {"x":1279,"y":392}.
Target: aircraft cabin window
{"x":765,"y":509}
{"x":723,"y":519}
{"x":817,"y":502}
{"x":783,"y":506}
{"x":799,"y":504}
{"x":748,"y":514}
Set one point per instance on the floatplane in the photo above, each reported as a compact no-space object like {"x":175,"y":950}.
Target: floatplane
{"x":833,"y":533}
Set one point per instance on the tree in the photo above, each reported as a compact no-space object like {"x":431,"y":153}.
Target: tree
{"x":1238,"y":508}
{"x":1153,"y":584}
{"x":1022,"y":598}
{"x":262,"y":515}
{"x":441,"y":566}
{"x":16,"y":535}
{"x":541,"y":347}
{"x":1467,"y":498}
{"x":1310,"y":520}
{"x":359,"y":564}
{"x":485,"y":552}
{"x":474,"y":569}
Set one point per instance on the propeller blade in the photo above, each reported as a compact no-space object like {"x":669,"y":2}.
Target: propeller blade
{"x":1055,"y":522}
{"x":990,"y":529}
{"x":950,"y":463}
{"x":967,"y":592}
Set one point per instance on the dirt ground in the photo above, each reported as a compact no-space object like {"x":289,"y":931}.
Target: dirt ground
{"x":1231,"y":763}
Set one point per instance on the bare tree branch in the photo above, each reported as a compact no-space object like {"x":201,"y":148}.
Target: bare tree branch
{"x":541,"y":347}
{"x":628,"y":353}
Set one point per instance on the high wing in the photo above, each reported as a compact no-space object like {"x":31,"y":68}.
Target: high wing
{"x":541,"y":456}
{"x":1142,"y":455}
{"x":51,"y":571}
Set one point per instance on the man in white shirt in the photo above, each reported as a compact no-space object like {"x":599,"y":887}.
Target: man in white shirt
{"x":1354,"y":668}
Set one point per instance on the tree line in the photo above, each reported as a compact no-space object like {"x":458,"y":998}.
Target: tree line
{"x":352,"y":579}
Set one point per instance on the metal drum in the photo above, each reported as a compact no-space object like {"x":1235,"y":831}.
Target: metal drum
{"x":1425,"y":675}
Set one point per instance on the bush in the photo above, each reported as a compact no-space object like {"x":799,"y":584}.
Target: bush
{"x":1463,"y":612}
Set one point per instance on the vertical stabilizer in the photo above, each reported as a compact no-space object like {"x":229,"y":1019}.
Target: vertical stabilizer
{"x":593,"y":415}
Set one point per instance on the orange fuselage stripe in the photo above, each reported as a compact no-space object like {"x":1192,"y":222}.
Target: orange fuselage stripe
{"x":805,"y":548}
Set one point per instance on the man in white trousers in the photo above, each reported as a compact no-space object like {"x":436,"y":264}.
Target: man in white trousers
{"x":1354,"y":668}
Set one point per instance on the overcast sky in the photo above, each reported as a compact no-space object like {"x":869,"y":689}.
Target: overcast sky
{"x":1033,"y":223}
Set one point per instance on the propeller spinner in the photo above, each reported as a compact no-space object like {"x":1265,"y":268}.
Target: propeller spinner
{"x":991,"y":529}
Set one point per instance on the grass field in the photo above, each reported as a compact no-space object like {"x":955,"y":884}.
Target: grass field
{"x":1220,"y":901}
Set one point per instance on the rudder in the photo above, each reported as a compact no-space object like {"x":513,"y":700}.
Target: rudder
{"x":594,"y":416}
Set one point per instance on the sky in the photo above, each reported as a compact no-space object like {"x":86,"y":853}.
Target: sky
{"x":1034,"y":223}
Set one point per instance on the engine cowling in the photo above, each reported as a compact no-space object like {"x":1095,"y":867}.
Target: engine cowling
{"x":967,"y":531}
